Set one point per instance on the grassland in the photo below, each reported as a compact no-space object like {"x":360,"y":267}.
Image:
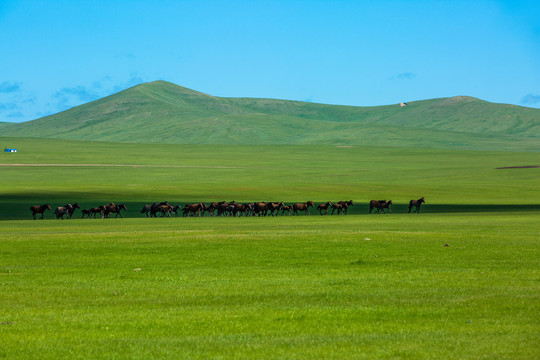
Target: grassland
{"x":358,"y":286}
{"x":161,"y":112}
{"x":350,"y":287}
{"x":449,"y":180}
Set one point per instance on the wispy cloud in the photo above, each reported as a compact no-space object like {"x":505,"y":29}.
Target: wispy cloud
{"x":133,"y":80}
{"x":405,"y":76}
{"x":125,"y":55}
{"x":76,"y":95}
{"x":7,"y":87}
{"x":530,"y":99}
{"x":15,"y":115}
{"x":8,"y":106}
{"x":78,"y":92}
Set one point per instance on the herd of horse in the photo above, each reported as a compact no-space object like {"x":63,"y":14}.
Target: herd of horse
{"x":223,"y":208}
{"x":104,"y":211}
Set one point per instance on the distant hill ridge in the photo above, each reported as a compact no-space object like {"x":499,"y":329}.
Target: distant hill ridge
{"x":162,"y":112}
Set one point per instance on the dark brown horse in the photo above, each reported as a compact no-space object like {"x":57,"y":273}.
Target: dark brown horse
{"x":244,"y":208}
{"x":213,"y":207}
{"x":324,"y":207}
{"x":86,"y":212}
{"x":287,"y":208}
{"x":303,"y":207}
{"x":260,"y":208}
{"x":416,"y":204}
{"x":146,"y":209}
{"x":165,"y":210}
{"x":39,"y":209}
{"x":376,"y":204}
{"x":339,"y":207}
{"x":192,"y":209}
{"x":97,"y":210}
{"x":346,"y":205}
{"x":274,"y":207}
{"x":387,"y":207}
{"x":116,"y":209}
{"x":235,"y":208}
{"x":67,"y":210}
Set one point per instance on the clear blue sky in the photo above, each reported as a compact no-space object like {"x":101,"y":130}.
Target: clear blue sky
{"x":58,"y":54}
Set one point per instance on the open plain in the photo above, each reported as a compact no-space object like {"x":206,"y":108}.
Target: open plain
{"x":458,"y":280}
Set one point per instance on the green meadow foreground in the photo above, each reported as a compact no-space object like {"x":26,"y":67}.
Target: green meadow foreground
{"x":459,"y":280}
{"x":291,"y":287}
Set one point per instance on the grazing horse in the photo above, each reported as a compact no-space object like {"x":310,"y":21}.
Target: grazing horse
{"x":60,"y":211}
{"x":86,"y":212}
{"x":324,"y":207}
{"x":376,"y":204}
{"x":39,"y":209}
{"x":416,"y":204}
{"x":111,"y":208}
{"x":302,"y":207}
{"x":346,"y":205}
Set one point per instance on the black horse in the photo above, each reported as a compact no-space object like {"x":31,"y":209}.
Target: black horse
{"x":376,"y":204}
{"x":416,"y":204}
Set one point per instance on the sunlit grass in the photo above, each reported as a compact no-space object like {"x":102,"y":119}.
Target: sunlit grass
{"x":303,"y":287}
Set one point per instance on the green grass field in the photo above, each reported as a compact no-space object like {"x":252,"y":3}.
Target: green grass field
{"x":450,"y":180}
{"x":306,"y":287}
{"x":290,"y":287}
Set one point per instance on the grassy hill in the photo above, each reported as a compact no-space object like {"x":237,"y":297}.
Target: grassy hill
{"x":161,"y":112}
{"x":5,"y":124}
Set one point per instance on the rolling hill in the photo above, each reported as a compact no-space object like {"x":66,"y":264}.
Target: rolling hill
{"x":162,"y":112}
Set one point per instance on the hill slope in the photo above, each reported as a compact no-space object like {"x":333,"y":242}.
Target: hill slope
{"x":161,"y":112}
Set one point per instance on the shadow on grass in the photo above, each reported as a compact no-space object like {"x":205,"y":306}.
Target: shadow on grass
{"x":17,"y":206}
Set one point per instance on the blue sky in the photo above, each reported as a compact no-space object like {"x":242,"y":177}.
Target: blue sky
{"x":58,"y":54}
